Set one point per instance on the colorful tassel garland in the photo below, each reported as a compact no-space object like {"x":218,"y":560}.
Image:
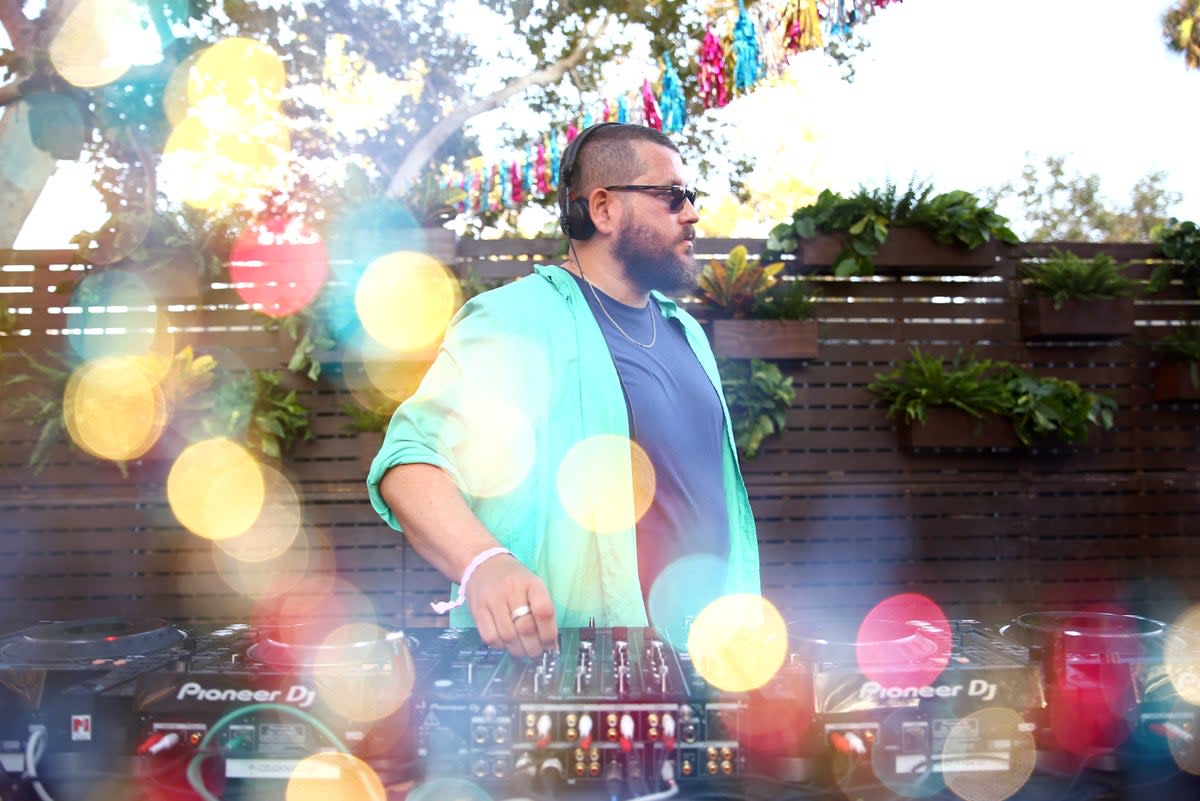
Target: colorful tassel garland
{"x":674,"y":114}
{"x":544,"y":181}
{"x":801,"y":26}
{"x":623,"y":109}
{"x":554,"y":159}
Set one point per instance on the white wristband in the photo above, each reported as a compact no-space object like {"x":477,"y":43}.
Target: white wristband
{"x":442,"y":607}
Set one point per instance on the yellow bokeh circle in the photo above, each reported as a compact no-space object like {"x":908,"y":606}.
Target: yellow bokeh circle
{"x":738,"y":642}
{"x":375,"y":691}
{"x":989,"y":755}
{"x":1181,"y":655}
{"x":334,"y":776}
{"x":606,"y":483}
{"x":113,"y":407}
{"x":277,"y":525}
{"x":216,"y":489}
{"x":92,"y":47}
{"x":238,"y":72}
{"x":405,"y":300}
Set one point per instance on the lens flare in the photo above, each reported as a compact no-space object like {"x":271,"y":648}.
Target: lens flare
{"x":738,"y":642}
{"x":989,"y":755}
{"x":216,"y":489}
{"x":334,"y":776}
{"x":1181,"y":656}
{"x":317,"y":605}
{"x":92,"y":46}
{"x":1179,"y":731}
{"x":910,"y":770}
{"x":495,"y":453}
{"x":404,"y":300}
{"x":112,"y":313}
{"x":276,"y":527}
{"x":510,"y":368}
{"x":594,"y":483}
{"x":905,"y":639}
{"x":379,"y":689}
{"x":112,"y":409}
{"x":681,"y":591}
{"x":448,"y":790}
{"x":278,"y":273}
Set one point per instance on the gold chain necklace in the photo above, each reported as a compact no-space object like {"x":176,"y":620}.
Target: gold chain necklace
{"x":649,"y":303}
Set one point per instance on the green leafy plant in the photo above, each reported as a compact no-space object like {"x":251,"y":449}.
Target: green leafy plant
{"x":1044,"y":406}
{"x":1037,"y":406}
{"x":865,"y":218}
{"x":257,"y":410}
{"x":758,"y":395}
{"x":966,"y":383}
{"x":1065,"y":276}
{"x":1183,"y":345}
{"x":1179,"y":242}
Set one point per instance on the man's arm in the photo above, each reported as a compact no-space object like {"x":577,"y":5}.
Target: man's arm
{"x":442,"y":529}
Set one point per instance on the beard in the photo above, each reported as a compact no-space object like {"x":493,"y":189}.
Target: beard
{"x":653,"y":262}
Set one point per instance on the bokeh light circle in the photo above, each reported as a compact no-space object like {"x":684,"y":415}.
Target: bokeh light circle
{"x":448,"y":790}
{"x":497,"y":449}
{"x":215,"y":165}
{"x":216,"y":489}
{"x":989,"y":755}
{"x":270,"y":578}
{"x":92,"y":46}
{"x":276,"y":527}
{"x":113,"y":409}
{"x":239,"y":72}
{"x":1181,"y":655}
{"x":594,"y":485}
{"x":904,"y":639}
{"x":367,"y":695}
{"x":681,"y":591}
{"x":334,"y":776}
{"x":738,"y":642}
{"x":405,"y":300}
{"x":275,"y":276}
{"x":112,"y":313}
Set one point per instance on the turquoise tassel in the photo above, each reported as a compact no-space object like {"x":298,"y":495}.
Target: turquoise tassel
{"x":747,"y":56}
{"x":671,"y":103}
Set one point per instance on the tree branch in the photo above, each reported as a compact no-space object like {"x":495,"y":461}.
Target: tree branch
{"x":20,"y":29}
{"x":423,"y":149}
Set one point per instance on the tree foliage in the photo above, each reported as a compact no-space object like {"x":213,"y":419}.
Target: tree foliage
{"x":1064,"y":205}
{"x":1181,"y":31}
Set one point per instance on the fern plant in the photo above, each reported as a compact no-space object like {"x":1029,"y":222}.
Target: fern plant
{"x":967,"y":383}
{"x":1065,"y":276}
{"x":758,"y":395}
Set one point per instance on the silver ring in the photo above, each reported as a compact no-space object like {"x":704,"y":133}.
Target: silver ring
{"x":520,"y":611}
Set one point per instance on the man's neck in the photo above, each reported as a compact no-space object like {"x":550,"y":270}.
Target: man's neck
{"x":609,"y":278}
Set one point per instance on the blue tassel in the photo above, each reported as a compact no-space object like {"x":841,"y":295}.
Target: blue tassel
{"x":527,"y":180}
{"x":485,"y":189}
{"x":554,"y":157}
{"x":747,"y":56}
{"x":587,"y":120}
{"x":623,"y":109}
{"x":505,"y":186}
{"x":671,"y":104}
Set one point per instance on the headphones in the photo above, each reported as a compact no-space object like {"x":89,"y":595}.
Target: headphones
{"x":573,"y":215}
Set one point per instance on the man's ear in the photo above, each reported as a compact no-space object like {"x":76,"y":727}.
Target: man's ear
{"x":604,"y":211}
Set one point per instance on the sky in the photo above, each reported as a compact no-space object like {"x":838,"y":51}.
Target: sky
{"x":958,"y":93}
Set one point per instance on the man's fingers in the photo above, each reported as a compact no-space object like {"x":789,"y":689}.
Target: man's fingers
{"x":543,"y":615}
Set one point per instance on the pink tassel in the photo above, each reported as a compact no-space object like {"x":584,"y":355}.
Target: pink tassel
{"x":540,"y":171}
{"x":650,"y":106}
{"x":514,"y":175}
{"x":713,"y":90}
{"x":572,"y":132}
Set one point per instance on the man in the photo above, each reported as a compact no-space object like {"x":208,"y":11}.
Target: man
{"x":543,"y":544}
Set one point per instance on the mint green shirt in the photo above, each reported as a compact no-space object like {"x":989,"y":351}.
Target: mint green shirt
{"x":522,"y":377}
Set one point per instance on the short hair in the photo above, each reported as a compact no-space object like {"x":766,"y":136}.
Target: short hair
{"x":609,"y":157}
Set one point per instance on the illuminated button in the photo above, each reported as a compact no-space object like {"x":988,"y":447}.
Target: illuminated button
{"x":726,"y":766}
{"x":712,"y":767}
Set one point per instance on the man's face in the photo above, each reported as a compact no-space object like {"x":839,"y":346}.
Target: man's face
{"x":655,"y":244}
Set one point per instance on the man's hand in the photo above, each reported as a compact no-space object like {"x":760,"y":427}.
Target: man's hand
{"x":501,"y":586}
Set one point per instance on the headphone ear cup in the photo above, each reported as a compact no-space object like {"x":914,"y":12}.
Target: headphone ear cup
{"x":579,"y":223}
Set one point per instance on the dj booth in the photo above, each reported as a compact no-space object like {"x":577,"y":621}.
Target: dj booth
{"x":1051,"y":705}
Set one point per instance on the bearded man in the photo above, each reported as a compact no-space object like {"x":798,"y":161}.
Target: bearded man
{"x":568,"y":459}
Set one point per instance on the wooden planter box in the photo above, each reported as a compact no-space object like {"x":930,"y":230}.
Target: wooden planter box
{"x":949,"y":428}
{"x":764,"y":339}
{"x":906,"y":251}
{"x":1112,"y":318}
{"x":1173,"y":382}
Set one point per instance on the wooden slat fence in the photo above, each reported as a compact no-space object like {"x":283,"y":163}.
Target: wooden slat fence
{"x":846,"y":516}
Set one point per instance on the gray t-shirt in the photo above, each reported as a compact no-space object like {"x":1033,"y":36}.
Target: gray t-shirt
{"x":675,"y":416}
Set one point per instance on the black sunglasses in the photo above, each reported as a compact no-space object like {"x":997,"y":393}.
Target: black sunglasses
{"x":678,"y":193}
